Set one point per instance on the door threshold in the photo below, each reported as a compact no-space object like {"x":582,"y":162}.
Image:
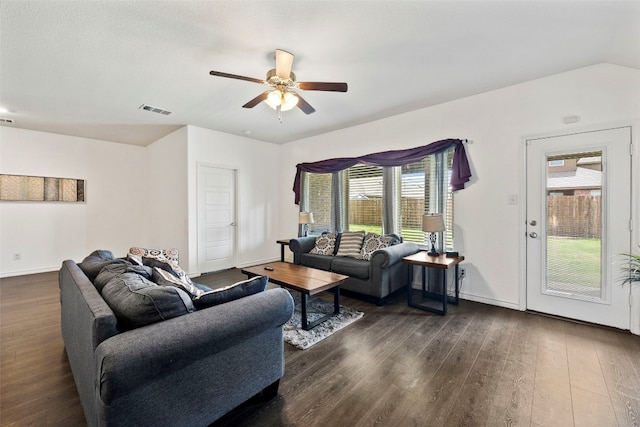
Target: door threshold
{"x":579,"y":322}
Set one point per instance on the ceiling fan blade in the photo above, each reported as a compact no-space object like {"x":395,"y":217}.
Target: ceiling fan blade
{"x":304,"y":105}
{"x":257,"y":100}
{"x":284,"y":62}
{"x":331,"y":87}
{"x":235,"y":76}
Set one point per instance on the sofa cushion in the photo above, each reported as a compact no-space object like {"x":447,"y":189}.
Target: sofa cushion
{"x":351,"y":267}
{"x":350,"y":243}
{"x":95,"y":261}
{"x":322,"y":262}
{"x":372,"y":242}
{"x":325,"y":244}
{"x":110,"y":271}
{"x":137,"y":301}
{"x":232,"y":292}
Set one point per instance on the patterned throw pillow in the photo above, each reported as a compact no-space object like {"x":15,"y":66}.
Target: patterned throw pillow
{"x":170,"y":254}
{"x":373,"y":242}
{"x":350,"y":243}
{"x":156,"y":257}
{"x":325,"y":244}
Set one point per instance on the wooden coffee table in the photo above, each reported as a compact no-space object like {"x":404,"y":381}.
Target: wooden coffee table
{"x":308,"y":281}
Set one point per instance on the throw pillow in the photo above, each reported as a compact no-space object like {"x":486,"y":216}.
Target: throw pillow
{"x":170,"y":254}
{"x":350,"y":243}
{"x":164,"y":278}
{"x":373,"y":242}
{"x":95,"y":261}
{"x":138,"y":302}
{"x":203,"y":296}
{"x":325,"y":244}
{"x":232,"y":292}
{"x":167,"y":259}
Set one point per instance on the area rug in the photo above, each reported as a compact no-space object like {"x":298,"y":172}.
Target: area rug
{"x":316,"y":308}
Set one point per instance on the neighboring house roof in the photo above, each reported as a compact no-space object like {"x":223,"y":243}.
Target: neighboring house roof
{"x":589,"y":160}
{"x":580,"y":178}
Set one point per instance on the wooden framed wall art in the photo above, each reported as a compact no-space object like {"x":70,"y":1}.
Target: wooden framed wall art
{"x":41,"y":189}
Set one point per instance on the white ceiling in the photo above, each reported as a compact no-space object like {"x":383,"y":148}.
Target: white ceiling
{"x":84,"y":68}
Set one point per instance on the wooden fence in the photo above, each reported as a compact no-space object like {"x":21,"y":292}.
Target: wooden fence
{"x":574,"y":216}
{"x":369,"y":212}
{"x":568,"y":216}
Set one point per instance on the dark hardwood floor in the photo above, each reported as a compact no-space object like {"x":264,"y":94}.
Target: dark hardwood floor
{"x":397,"y":366}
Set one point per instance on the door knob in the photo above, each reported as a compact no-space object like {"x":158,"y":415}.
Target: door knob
{"x":533,"y":234}
{"x":233,"y":224}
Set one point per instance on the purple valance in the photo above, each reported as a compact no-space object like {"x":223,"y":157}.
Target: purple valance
{"x":460,"y":169}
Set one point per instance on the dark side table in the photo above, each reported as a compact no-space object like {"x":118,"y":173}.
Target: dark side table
{"x":283,"y":243}
{"x":440,"y":262}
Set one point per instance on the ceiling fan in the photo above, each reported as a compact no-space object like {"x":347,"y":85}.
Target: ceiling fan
{"x":283,"y":80}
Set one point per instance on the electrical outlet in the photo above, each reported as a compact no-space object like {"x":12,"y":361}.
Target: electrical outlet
{"x":463,"y":273}
{"x":17,"y":256}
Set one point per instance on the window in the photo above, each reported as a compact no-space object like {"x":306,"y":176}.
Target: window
{"x":412,"y":205}
{"x":317,"y":199}
{"x":364,"y":194}
{"x":383,"y":200}
{"x":426,"y":189}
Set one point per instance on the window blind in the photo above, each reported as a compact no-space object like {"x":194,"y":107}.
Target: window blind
{"x":364,"y":205}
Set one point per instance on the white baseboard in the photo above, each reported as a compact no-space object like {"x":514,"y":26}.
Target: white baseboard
{"x":26,"y":272}
{"x":242,"y":265}
{"x":257,"y":262}
{"x":490,"y":301}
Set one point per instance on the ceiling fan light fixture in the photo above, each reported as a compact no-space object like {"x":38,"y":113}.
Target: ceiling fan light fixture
{"x":279,"y":98}
{"x":289,"y":100}
{"x":274,"y":99}
{"x":282,"y":79}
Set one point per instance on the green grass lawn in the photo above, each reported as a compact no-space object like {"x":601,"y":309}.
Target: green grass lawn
{"x":573,"y":261}
{"x":570,"y":261}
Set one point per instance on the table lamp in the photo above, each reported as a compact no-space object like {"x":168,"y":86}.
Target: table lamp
{"x":432,"y":223}
{"x":304,"y":219}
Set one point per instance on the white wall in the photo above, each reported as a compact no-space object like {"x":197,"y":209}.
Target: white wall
{"x":46,"y":233}
{"x":167,"y":192}
{"x":258,"y":202}
{"x":488,"y":231}
{"x":135,"y":196}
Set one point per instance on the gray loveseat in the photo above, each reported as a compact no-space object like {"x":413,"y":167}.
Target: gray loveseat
{"x":188,"y":370}
{"x":374,"y":279}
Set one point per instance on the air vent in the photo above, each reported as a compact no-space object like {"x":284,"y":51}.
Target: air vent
{"x":155,"y":109}
{"x":5,"y":120}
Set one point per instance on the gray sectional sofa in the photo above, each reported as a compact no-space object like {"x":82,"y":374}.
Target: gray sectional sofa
{"x":188,"y":370}
{"x":374,"y":279}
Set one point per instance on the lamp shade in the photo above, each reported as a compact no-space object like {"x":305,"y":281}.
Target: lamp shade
{"x":305,"y":218}
{"x":432,"y":223}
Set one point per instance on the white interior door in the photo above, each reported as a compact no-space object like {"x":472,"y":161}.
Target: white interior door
{"x":578,"y":224}
{"x":216,"y":218}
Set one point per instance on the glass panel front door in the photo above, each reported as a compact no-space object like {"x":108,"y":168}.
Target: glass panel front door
{"x":577,"y":225}
{"x":574,"y":225}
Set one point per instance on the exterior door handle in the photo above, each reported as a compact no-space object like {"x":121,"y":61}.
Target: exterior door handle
{"x":533,"y":234}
